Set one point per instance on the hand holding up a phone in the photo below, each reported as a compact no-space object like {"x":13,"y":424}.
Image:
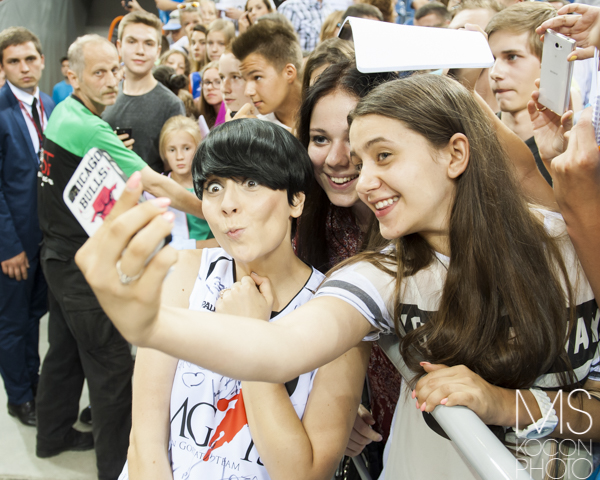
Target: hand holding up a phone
{"x":583,"y":26}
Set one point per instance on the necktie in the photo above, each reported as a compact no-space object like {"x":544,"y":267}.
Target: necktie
{"x":36,"y":115}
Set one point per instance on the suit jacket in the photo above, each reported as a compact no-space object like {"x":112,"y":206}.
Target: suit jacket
{"x":19,"y":166}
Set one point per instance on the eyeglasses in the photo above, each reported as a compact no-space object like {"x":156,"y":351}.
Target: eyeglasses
{"x":214,"y":83}
{"x":188,"y":6}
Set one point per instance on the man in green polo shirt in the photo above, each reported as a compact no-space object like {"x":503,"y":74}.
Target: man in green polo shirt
{"x":83,"y":342}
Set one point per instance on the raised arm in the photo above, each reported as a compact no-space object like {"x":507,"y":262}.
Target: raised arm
{"x":152,"y":383}
{"x":307,"y":449}
{"x":584,"y":28}
{"x":162,"y":186}
{"x":243,"y":348}
{"x":535,"y":188}
{"x":576,"y":176}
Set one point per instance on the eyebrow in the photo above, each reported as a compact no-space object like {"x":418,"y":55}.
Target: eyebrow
{"x":372,"y":142}
{"x":512,"y":51}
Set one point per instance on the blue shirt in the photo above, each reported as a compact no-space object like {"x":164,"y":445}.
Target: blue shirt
{"x":61,"y":91}
{"x":164,"y":15}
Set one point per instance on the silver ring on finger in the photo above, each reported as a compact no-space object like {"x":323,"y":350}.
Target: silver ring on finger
{"x":222,"y":292}
{"x":126,"y":279}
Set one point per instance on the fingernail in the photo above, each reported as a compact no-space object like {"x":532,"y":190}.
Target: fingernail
{"x":423,"y":406}
{"x":169,"y":216}
{"x":161,"y":202}
{"x":414,"y":394}
{"x":133,"y":182}
{"x":572,"y":57}
{"x":444,"y":401}
{"x":424,"y":363}
{"x":418,"y":404}
{"x":379,"y":438}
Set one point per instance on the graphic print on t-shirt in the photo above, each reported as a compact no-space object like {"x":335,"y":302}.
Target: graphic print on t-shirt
{"x":210,"y":436}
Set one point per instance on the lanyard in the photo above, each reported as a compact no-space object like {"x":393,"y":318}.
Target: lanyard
{"x":39,"y":134}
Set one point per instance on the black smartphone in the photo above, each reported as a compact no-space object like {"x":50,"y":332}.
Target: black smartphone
{"x":127,"y":130}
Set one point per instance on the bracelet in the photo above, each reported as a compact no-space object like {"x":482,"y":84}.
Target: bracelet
{"x":545,"y":425}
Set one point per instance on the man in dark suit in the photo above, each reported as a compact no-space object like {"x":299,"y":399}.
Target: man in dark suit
{"x":24,"y":113}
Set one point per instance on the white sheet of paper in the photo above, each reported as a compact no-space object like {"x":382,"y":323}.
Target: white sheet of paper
{"x":388,"y":47}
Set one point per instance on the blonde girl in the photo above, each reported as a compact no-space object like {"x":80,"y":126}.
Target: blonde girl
{"x":178,"y":141}
{"x":219,"y":37}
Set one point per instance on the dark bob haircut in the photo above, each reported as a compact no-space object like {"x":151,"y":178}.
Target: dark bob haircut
{"x":254,"y":149}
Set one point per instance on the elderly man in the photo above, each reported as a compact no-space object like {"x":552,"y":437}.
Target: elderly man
{"x":83,"y":342}
{"x":24,"y":113}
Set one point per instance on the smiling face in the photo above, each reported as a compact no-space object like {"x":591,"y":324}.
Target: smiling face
{"x":139,"y":49}
{"x":329,"y":148}
{"x":179,"y":152}
{"x":255,"y":9}
{"x":211,"y":87}
{"x":198,"y":45}
{"x":215,"y":45}
{"x":177,"y":62}
{"x":515,"y":70}
{"x":403,"y":180}
{"x":251,"y":222}
{"x":97,"y":85}
{"x":267,"y":87}
{"x":232,"y":82}
{"x":23,"y":66}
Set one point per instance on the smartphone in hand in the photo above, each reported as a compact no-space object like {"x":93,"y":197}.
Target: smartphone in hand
{"x":94,"y":188}
{"x":557,"y":71}
{"x":121,"y":131}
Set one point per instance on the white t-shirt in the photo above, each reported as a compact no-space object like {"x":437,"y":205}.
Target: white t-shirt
{"x":270,"y":117}
{"x":414,"y":450}
{"x":210,"y":437}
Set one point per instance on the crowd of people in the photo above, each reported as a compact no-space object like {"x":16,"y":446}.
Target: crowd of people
{"x":348,"y":250}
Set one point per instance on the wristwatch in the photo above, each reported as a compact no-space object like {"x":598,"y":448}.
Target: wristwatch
{"x":545,"y":425}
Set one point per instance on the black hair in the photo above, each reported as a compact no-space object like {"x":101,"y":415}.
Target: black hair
{"x":257,"y":150}
{"x":311,"y":241}
{"x":62,"y":59}
{"x":167,"y":76}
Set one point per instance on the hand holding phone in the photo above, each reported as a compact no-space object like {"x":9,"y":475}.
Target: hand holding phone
{"x":557,"y":71}
{"x":93,"y":190}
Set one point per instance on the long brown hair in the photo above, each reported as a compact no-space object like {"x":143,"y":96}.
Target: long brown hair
{"x":311,"y":241}
{"x":208,"y":111}
{"x":502,"y":311}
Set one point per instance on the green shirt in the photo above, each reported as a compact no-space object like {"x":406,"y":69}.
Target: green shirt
{"x":198,"y":228}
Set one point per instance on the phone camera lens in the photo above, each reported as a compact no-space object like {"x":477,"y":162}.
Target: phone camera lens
{"x":556,"y":45}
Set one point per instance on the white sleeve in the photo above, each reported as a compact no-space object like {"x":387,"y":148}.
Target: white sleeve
{"x":364,"y":287}
{"x":594,"y":374}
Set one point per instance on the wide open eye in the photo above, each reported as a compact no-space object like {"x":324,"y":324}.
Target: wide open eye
{"x":213,"y":187}
{"x":251,"y":183}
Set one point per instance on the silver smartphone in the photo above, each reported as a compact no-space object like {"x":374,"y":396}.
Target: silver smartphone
{"x":557,"y":71}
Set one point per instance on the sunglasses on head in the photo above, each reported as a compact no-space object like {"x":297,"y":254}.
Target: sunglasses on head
{"x":188,"y":6}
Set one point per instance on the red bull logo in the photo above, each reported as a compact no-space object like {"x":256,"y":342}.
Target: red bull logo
{"x":104,"y":202}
